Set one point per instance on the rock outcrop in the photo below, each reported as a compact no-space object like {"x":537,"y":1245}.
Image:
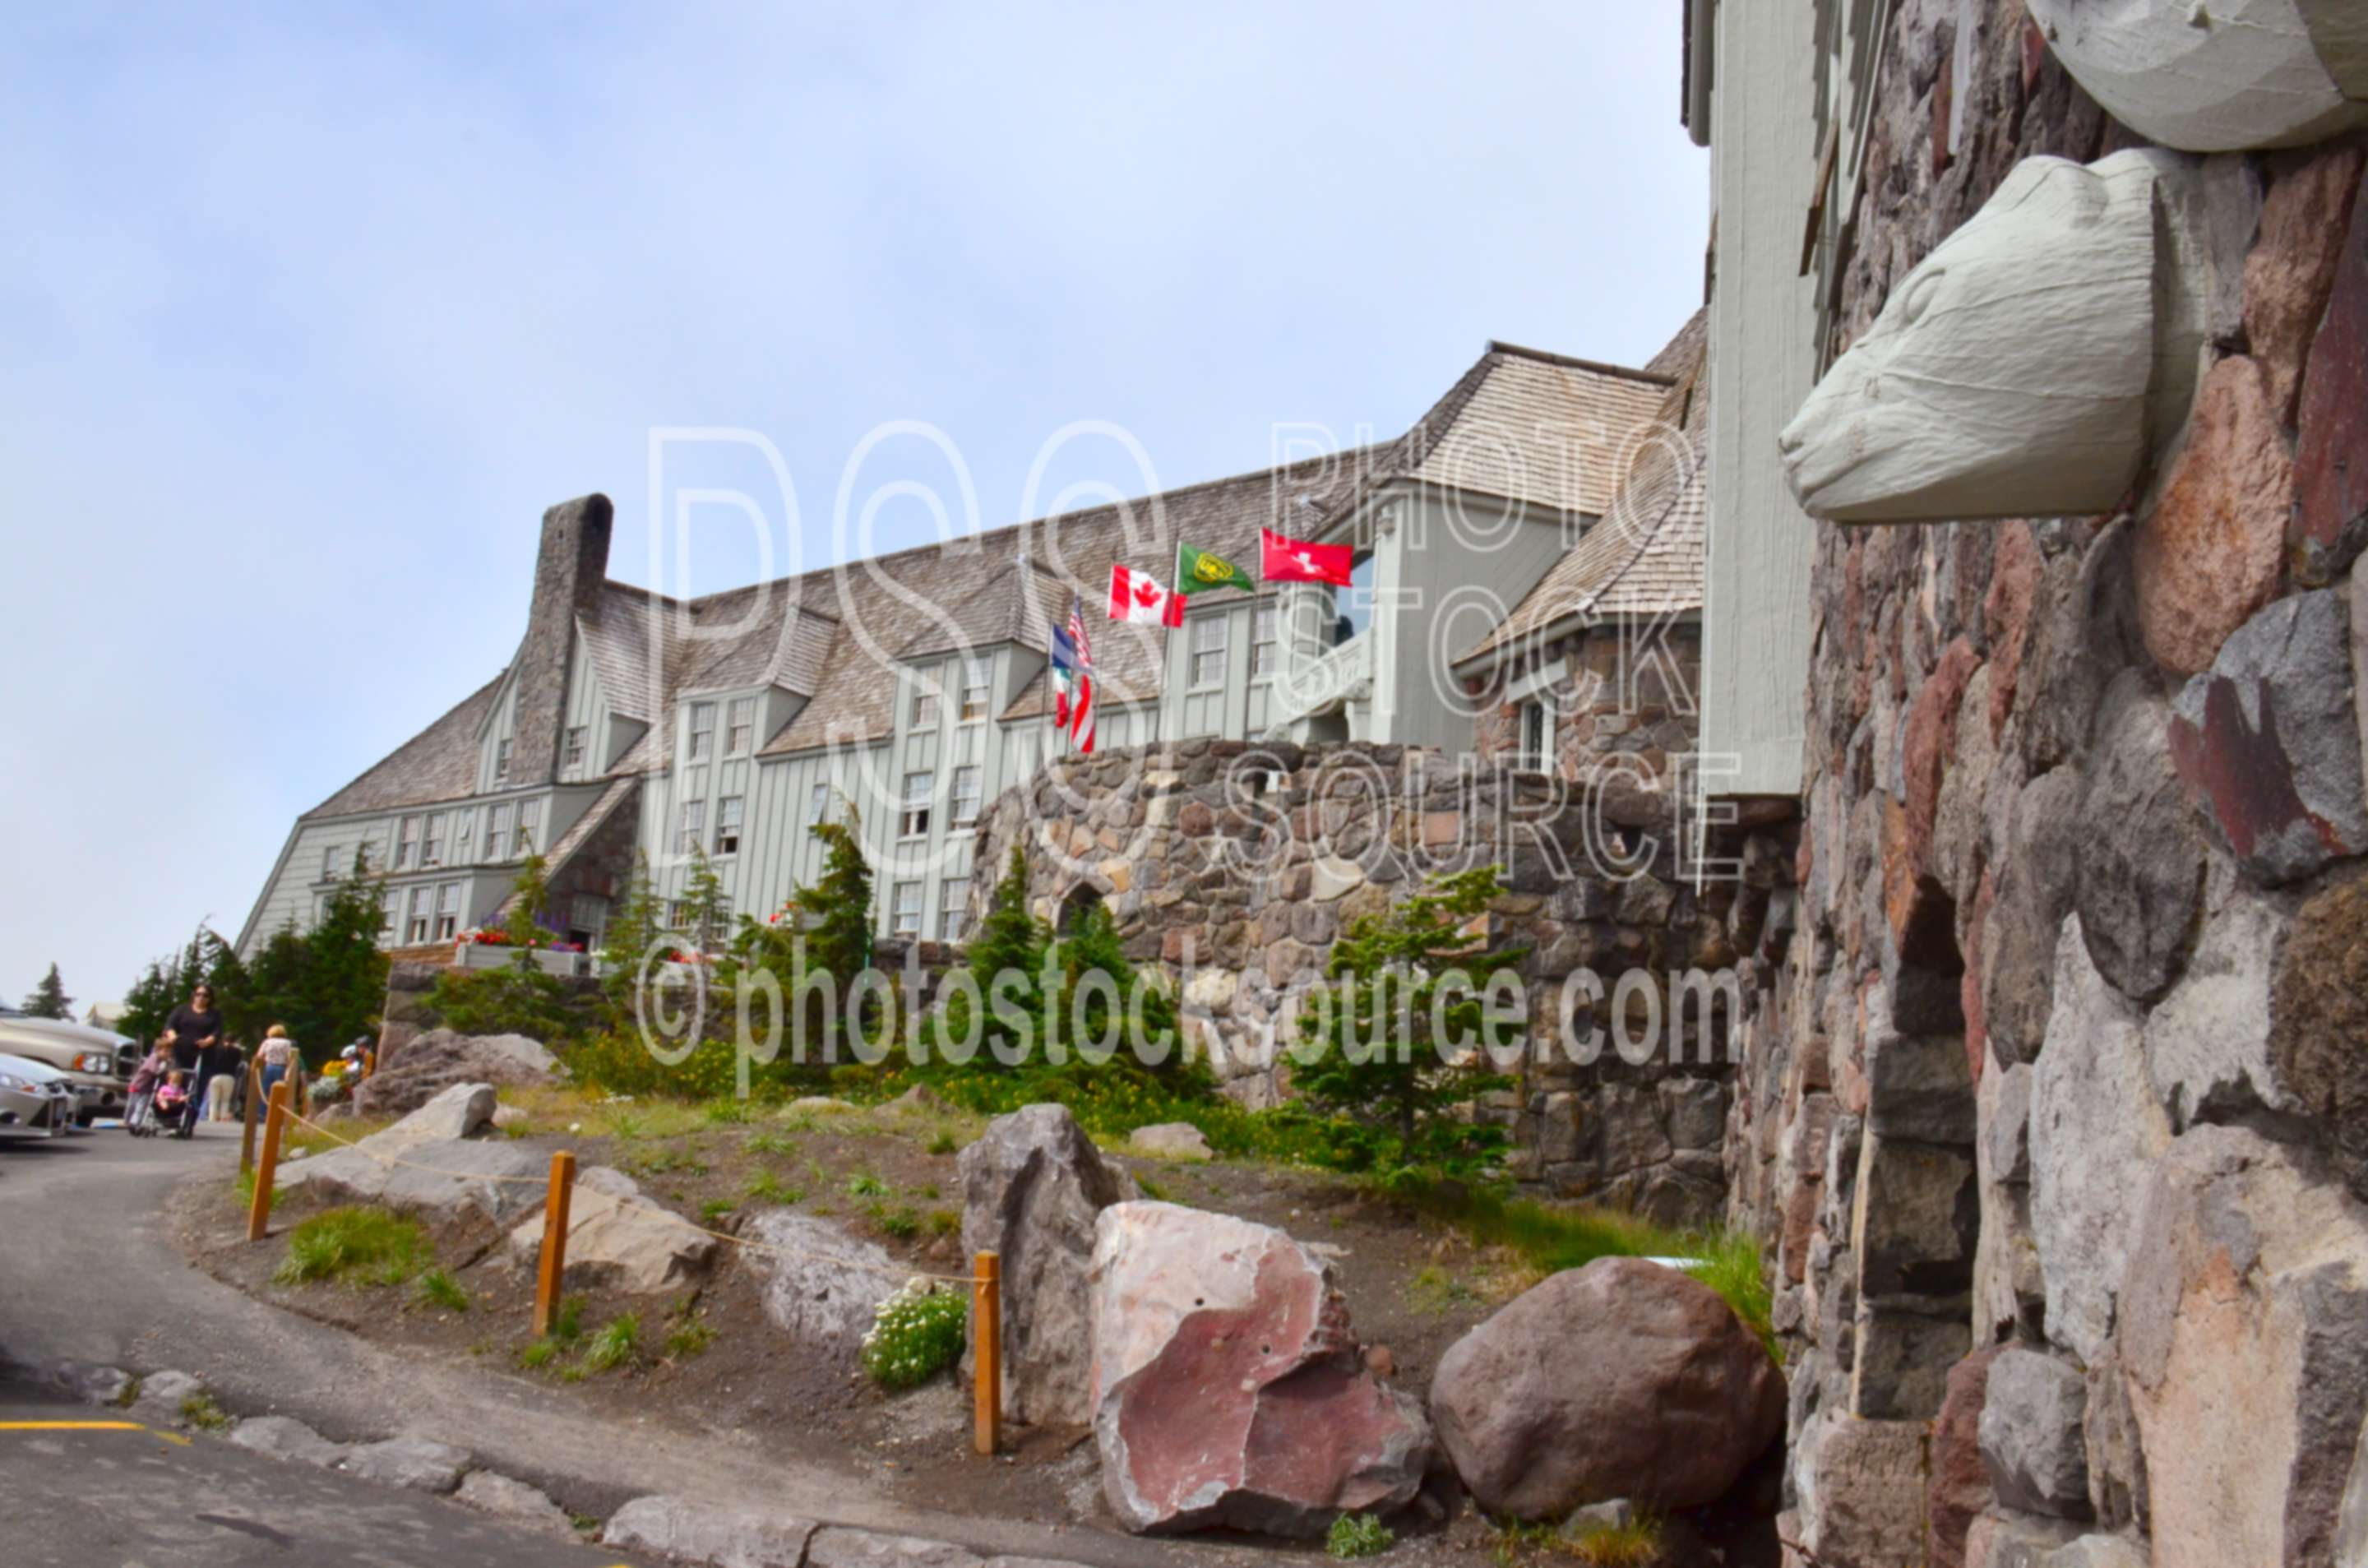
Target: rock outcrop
{"x":432,"y":1166}
{"x":432,"y":1062}
{"x":618,"y":1238}
{"x":1227,"y":1387}
{"x":1034,"y":1186}
{"x":823,"y":1287}
{"x":1623,"y":1379}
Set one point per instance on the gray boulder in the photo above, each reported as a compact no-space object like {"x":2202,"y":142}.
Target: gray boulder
{"x":1032,"y":1187}
{"x":1623,"y":1379}
{"x":456,"y":1185}
{"x":284,"y":1437}
{"x":2141,"y":859}
{"x":414,"y":1463}
{"x":616,"y":1237}
{"x":823,"y":1287}
{"x":2030,"y":1434}
{"x":90,"y":1383}
{"x":835,"y":1547}
{"x":1171,"y":1141}
{"x":162,"y":1395}
{"x":515,"y":1500}
{"x":697,"y":1532}
{"x":438,"y":1060}
{"x":2207,"y":1045}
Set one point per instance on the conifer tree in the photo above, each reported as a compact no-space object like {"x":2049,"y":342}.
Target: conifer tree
{"x":49,"y":999}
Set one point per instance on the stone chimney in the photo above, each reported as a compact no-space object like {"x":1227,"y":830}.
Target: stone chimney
{"x":569,"y":569}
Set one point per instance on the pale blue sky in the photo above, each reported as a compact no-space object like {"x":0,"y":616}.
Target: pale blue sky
{"x":311,"y":314}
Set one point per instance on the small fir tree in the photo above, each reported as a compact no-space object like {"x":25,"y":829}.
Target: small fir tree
{"x":1380,"y":1063}
{"x":49,"y":999}
{"x":704,"y":903}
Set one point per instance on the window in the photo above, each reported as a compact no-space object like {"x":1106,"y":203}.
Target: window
{"x":727,"y":824}
{"x":530,"y":820}
{"x":432,"y":844}
{"x":1266,"y":647}
{"x":740,"y":733}
{"x":464,"y":826}
{"x":1209,"y":651}
{"x":1352,"y":607}
{"x":406,"y":844}
{"x":907,"y":920}
{"x":925,"y":709}
{"x":952,"y":898}
{"x":328,"y":862}
{"x":389,"y":914}
{"x":817,"y":806}
{"x":1535,"y":735}
{"x":415,"y":930}
{"x":502,"y":760}
{"x":448,"y":912}
{"x":978,"y":676}
{"x":702,"y":730}
{"x":694,"y":827}
{"x":919,"y":788}
{"x":579,"y":740}
{"x":679,"y":915}
{"x":497,"y":832}
{"x":967,"y":792}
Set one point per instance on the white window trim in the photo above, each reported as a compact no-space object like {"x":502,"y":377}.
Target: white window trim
{"x":698,"y":744}
{"x":917,"y":804}
{"x":690,"y":831}
{"x":740,"y":727}
{"x":1221,"y":626}
{"x":896,"y":911}
{"x":967,"y":805}
{"x":728,"y":818}
{"x":575,"y":746}
{"x":978,"y":676}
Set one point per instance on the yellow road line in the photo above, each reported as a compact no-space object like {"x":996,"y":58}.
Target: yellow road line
{"x":72,"y":1426}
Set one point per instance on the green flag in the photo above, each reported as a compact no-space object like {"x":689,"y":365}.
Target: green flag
{"x":1197,"y":571}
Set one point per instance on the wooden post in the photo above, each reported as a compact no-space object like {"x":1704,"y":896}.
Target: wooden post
{"x":254,"y":1095}
{"x":555,"y":1242}
{"x":266,"y":1170}
{"x":987,"y":1375}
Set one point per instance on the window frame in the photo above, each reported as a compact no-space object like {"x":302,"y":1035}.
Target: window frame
{"x":502,"y":760}
{"x":977,"y":679}
{"x":740,"y":726}
{"x":896,"y":912}
{"x":447,"y":911}
{"x":928,"y":713}
{"x":499,"y":822}
{"x":1266,"y":641}
{"x":1533,"y":749}
{"x":431,"y":841}
{"x":699,"y":732}
{"x":529,"y":828}
{"x":406,"y":842}
{"x":691,"y":826}
{"x":915,"y":811}
{"x":952,"y":910}
{"x":575,"y":744}
{"x":976,"y":795}
{"x":1222,"y":626}
{"x":418,"y":916}
{"x":730,"y":812}
{"x":817,"y":806}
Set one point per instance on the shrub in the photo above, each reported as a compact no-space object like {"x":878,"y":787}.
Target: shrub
{"x":438,"y":1289}
{"x":517,"y":998}
{"x":199,"y":1410}
{"x":863,"y":1184}
{"x":916,"y":1334}
{"x":368,"y":1245}
{"x":1359,"y":1535}
{"x":1602,"y":1544}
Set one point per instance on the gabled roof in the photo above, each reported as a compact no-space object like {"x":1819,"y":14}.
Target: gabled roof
{"x":440,"y":763}
{"x":1015,"y":605}
{"x":1646,"y":556}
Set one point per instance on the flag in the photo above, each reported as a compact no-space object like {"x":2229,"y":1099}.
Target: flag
{"x":1198,"y":569}
{"x":1283,"y":560}
{"x":1065,"y":669}
{"x":1137,"y":598}
{"x":1081,"y":716}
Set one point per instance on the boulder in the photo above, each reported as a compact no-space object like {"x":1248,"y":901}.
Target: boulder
{"x":2211,"y":551}
{"x":90,"y":1383}
{"x":2030,"y":1434}
{"x":823,"y":1287}
{"x":440,"y":1059}
{"x":2099,"y":1551}
{"x":1033,"y":1184}
{"x":2140,"y":877}
{"x":2268,"y":741}
{"x":1861,"y":1487}
{"x":2017,"y":1540}
{"x":1227,"y":1387}
{"x":698,"y":1532}
{"x":1171,"y":1141}
{"x":2096,"y":1128}
{"x":1914,"y":1229}
{"x":2207,"y":1045}
{"x":1622,"y":1378}
{"x":460,"y":1184}
{"x":515,"y":1500}
{"x":2289,"y":273}
{"x":2007,"y":1133}
{"x":620,"y":1239}
{"x":284,"y":1437}
{"x":412,"y":1462}
{"x":1919,"y":1086}
{"x":2116,"y":1466}
{"x":458,"y":1110}
{"x":2245,"y":1320}
{"x":2319,"y":1016}
{"x":835,"y":1546}
{"x":162,"y":1395}
{"x":2034,"y":889}
{"x":1959,"y":1484}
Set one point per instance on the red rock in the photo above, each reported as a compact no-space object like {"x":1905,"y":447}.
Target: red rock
{"x":1227,"y":1389}
{"x":1922,"y":916}
{"x":1960,"y":1485}
{"x":2291,"y":265}
{"x":1932,"y":740}
{"x":2015,"y":570}
{"x":2211,"y":552}
{"x":1623,"y":1379}
{"x":2331,"y":518}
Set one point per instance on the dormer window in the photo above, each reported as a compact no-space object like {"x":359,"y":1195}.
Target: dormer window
{"x":702,"y":730}
{"x":1266,"y":647}
{"x":406,"y":844}
{"x":580,"y":740}
{"x":925,"y":709}
{"x":502,"y":760}
{"x":740,"y":733}
{"x":978,"y":677}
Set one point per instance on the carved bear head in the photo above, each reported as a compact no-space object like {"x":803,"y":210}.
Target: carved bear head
{"x":2027,"y":365}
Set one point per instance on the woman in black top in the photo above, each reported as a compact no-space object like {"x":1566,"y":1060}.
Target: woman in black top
{"x":195,"y":1030}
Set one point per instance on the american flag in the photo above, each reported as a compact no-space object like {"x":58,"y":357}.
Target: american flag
{"x":1081,"y":715}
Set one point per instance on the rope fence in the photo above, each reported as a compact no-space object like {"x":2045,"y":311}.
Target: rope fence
{"x":985,"y":1282}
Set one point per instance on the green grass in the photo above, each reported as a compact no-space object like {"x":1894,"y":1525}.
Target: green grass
{"x":614,"y":1344}
{"x":245,"y":1184}
{"x":1731,"y":1266}
{"x":1357,"y":1535}
{"x":438,"y":1289}
{"x":714,"y":1209}
{"x":1437,"y":1291}
{"x":770,"y":1188}
{"x":944,"y":1143}
{"x":567,"y":1322}
{"x":863,"y":1184}
{"x":728,"y":1112}
{"x":943,"y":1222}
{"x":899,"y":1222}
{"x":361,"y":1245}
{"x":201,"y":1411}
{"x":538,"y":1355}
{"x":770,"y":1143}
{"x":688,"y":1339}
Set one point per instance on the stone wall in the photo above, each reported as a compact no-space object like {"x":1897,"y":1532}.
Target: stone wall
{"x":1602,"y":717}
{"x":2054,"y":1117}
{"x":1235,"y":867}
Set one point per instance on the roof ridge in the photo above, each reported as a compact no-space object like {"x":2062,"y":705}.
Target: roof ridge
{"x":1573,"y":362}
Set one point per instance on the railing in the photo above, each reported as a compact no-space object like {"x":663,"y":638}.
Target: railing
{"x":491,"y":955}
{"x":1335,"y":675}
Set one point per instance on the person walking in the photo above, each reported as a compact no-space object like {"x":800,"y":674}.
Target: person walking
{"x":274,"y":1059}
{"x":195,"y":1029}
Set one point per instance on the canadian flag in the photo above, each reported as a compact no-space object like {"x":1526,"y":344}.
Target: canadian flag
{"x":1137,"y":598}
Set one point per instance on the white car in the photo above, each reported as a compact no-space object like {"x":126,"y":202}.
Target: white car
{"x":35,"y":1097}
{"x":96,"y":1064}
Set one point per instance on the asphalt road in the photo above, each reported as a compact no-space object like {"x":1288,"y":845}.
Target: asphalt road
{"x":87,"y":1489}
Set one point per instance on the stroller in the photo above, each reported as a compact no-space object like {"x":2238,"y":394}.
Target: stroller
{"x":161,"y":1107}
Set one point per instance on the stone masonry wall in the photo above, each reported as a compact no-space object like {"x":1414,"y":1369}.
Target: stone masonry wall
{"x":2055,"y":1116}
{"x":1236,"y":865}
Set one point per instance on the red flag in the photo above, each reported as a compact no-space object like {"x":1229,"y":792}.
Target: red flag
{"x":1135,"y":597}
{"x":1080,"y":720}
{"x":1283,"y":560}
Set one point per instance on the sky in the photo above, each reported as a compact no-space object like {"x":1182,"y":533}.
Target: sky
{"x":312,"y":310}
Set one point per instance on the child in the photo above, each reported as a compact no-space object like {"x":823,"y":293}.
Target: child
{"x":172,"y":1097}
{"x":276,"y":1057}
{"x":138,"y":1118}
